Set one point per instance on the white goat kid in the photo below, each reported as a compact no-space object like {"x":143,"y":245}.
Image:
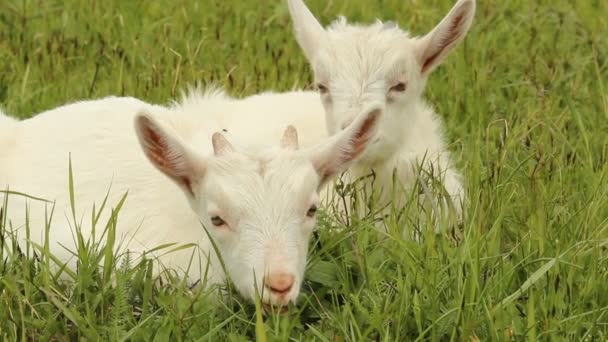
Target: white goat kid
{"x":356,"y":66}
{"x":257,"y":203}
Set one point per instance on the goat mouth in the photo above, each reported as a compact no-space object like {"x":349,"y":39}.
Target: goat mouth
{"x":282,"y":309}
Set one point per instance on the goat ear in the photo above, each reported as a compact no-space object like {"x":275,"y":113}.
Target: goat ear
{"x":434,"y":46}
{"x":290,"y":138}
{"x":341,"y":150}
{"x":309,"y":31}
{"x":168,"y":154}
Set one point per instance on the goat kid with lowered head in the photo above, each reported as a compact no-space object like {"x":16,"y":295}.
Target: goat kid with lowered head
{"x":356,"y":66}
{"x":257,"y":203}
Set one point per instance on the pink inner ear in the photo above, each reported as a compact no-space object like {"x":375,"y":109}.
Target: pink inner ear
{"x":290,"y":138}
{"x":156,"y":148}
{"x":158,"y":151}
{"x":359,"y":141}
{"x":450,"y":37}
{"x":357,"y":144}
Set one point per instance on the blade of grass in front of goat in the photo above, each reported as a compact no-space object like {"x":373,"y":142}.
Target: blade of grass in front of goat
{"x":179,"y":248}
{"x":111,"y":239}
{"x":158,"y":248}
{"x":96,"y":213}
{"x":221,"y":260}
{"x":71,"y":189}
{"x":17,"y":193}
{"x":47,"y":249}
{"x":260,"y":330}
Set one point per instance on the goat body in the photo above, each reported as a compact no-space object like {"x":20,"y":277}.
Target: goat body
{"x":257,"y":201}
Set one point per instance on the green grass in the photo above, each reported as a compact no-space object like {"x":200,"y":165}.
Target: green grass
{"x":525,"y":103}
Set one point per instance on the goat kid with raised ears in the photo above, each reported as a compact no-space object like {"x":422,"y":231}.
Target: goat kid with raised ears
{"x":258,"y":204}
{"x":355,"y":66}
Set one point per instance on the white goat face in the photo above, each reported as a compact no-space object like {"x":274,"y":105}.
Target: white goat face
{"x":258,"y":207}
{"x":261,"y":213}
{"x":377,"y":65}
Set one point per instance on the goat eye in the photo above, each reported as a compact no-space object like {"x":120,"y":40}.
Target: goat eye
{"x":399,"y":87}
{"x":322,"y":89}
{"x":217,"y":221}
{"x":312,"y":211}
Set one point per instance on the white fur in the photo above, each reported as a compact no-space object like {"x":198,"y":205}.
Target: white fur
{"x":262,"y":192}
{"x":360,"y":64}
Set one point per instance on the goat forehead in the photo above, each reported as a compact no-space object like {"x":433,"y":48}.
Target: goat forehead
{"x":294,"y":173}
{"x":260,"y":180}
{"x":376,"y":36}
{"x":363,"y":54}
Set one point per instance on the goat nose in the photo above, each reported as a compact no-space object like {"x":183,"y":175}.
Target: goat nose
{"x":279,"y":283}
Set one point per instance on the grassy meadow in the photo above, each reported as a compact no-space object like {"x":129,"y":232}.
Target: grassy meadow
{"x":525,"y":106}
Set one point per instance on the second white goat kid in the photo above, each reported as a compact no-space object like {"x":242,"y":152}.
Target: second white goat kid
{"x":258,"y":203}
{"x":356,"y":66}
